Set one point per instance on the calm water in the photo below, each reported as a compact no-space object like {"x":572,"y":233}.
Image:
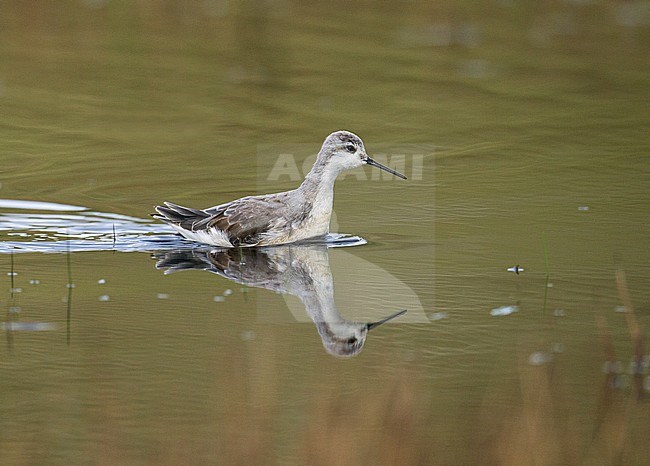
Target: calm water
{"x":523,"y":130}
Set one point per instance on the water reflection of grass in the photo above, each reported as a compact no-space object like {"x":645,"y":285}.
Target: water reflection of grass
{"x":396,"y":425}
{"x":532,"y":428}
{"x":12,"y":307}
{"x":547,"y":275}
{"x":70,"y":285}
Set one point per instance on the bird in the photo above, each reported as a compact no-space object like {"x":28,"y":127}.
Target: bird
{"x":280,"y":218}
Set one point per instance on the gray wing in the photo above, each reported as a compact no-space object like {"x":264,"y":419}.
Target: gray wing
{"x":246,"y":220}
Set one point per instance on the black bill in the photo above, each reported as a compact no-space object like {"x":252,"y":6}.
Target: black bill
{"x":370,"y":161}
{"x":372,"y":325}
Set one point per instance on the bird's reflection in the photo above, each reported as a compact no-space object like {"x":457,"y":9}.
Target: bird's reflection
{"x":300,"y":270}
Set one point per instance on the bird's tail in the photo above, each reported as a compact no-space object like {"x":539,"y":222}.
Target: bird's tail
{"x":184,"y":217}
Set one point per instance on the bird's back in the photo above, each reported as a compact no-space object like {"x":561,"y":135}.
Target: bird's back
{"x":249,"y":221}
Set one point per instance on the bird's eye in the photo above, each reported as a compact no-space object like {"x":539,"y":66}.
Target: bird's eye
{"x":350,"y":148}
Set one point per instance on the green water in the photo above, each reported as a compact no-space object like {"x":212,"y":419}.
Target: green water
{"x":523,"y":129}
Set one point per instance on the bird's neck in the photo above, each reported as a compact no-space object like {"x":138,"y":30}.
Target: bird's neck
{"x":321,"y":177}
{"x":317,"y":191}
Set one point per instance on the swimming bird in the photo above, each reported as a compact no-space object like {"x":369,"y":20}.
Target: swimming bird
{"x":269,"y":219}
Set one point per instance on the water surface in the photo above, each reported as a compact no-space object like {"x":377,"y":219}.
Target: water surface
{"x":523,"y":130}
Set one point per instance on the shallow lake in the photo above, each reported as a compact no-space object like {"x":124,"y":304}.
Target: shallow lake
{"x":519,"y":245}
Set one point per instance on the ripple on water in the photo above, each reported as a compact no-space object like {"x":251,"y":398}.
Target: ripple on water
{"x":37,"y":205}
{"x":50,"y":227}
{"x":80,"y":229}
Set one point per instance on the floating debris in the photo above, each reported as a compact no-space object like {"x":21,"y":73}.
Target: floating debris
{"x":620,"y":309}
{"x":34,"y":282}
{"x":557,"y":347}
{"x":247,"y":335}
{"x":162,"y":296}
{"x":539,"y":358}
{"x":409,"y":356}
{"x":101,"y":281}
{"x":619,"y":382}
{"x":583,"y":208}
{"x":612,"y":367}
{"x":559,"y":313}
{"x":27,"y":326}
{"x":504,"y":310}
{"x":549,"y":285}
{"x":15,"y":290}
{"x":218,"y":299}
{"x":69,"y":285}
{"x":12,"y":274}
{"x":636,"y":368}
{"x":227,"y":292}
{"x":438,"y":315}
{"x":14,"y":309}
{"x":104,"y":297}
{"x":516,"y":269}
